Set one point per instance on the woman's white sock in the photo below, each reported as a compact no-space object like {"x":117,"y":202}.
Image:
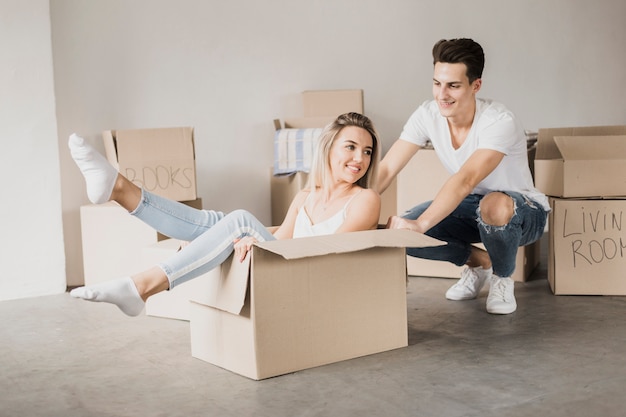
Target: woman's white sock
{"x":99,"y":175}
{"x":122,"y":292}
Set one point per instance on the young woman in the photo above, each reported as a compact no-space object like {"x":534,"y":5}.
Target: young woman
{"x":339,"y":198}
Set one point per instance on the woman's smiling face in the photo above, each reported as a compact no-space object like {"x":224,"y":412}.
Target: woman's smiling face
{"x":350,"y":154}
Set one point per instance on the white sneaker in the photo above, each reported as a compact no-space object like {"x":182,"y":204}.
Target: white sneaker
{"x":501,"y":299}
{"x":469,"y":285}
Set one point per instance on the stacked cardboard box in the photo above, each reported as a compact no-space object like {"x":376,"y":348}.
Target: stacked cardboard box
{"x":583,"y":170}
{"x":419,"y":181}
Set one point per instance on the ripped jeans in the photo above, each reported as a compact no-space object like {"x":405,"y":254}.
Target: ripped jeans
{"x":463,"y":227}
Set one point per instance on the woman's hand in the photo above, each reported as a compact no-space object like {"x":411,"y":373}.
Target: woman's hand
{"x":243,"y":246}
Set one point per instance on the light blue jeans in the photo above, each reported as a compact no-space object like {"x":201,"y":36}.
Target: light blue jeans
{"x":464,"y":227}
{"x":211,"y":233}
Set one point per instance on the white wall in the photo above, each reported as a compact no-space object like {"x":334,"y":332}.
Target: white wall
{"x":230,"y":67}
{"x":31,"y":251}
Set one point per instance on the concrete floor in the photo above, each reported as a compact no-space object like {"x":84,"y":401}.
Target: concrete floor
{"x":555,"y":356}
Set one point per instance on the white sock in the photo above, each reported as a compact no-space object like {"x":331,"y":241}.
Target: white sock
{"x":99,"y":175}
{"x":122,"y":292}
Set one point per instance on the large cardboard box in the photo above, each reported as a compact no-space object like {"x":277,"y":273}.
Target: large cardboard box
{"x":301,"y":303}
{"x":320,"y":108}
{"x":419,"y":181}
{"x":160,"y":160}
{"x":581,"y":161}
{"x":587,"y":250}
{"x":112,"y":240}
{"x":173,"y":304}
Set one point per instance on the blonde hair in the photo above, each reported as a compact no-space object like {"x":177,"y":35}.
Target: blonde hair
{"x":320,"y":175}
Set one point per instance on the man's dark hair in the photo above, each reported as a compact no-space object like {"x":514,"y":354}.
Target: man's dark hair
{"x":463,"y":51}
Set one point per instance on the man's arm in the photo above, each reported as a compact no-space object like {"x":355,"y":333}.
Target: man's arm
{"x":455,"y":189}
{"x":395,"y":159}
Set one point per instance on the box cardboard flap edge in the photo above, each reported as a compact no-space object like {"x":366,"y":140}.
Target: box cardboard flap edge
{"x":303,"y":123}
{"x":547,"y":148}
{"x":229,"y":293}
{"x":347,"y":242}
{"x":591,"y":147}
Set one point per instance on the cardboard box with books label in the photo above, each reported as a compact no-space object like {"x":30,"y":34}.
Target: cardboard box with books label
{"x":587,"y":250}
{"x":300,"y":303}
{"x":587,"y":161}
{"x":160,"y":160}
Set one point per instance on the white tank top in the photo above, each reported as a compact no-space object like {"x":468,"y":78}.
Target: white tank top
{"x":305,"y":228}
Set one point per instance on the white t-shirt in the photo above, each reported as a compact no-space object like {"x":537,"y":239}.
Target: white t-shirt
{"x":494,"y":127}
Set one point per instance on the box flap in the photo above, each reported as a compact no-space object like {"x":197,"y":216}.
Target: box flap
{"x":591,"y":147}
{"x":347,"y":242}
{"x":547,"y":149}
{"x":228,"y":293}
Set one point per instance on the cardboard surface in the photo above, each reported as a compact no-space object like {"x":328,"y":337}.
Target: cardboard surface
{"x":419,"y":181}
{"x":283,"y":190}
{"x":310,"y":310}
{"x":587,"y":246}
{"x":112,"y":241}
{"x":160,"y":160}
{"x":581,"y":161}
{"x":323,"y":103}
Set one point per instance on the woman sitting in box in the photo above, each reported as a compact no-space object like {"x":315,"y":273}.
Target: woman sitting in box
{"x":339,"y":198}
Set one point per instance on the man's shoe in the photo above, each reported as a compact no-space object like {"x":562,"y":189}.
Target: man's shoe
{"x":501,"y":299}
{"x":469,"y":285}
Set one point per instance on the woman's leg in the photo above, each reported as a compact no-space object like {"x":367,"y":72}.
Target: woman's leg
{"x":203,"y":254}
{"x":104,"y":184}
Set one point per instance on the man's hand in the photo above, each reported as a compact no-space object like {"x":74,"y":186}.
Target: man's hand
{"x":396,"y":222}
{"x":243,"y":246}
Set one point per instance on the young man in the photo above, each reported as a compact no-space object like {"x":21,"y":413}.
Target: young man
{"x":490,"y":196}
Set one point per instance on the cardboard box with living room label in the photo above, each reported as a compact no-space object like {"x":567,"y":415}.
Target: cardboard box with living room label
{"x":583,"y":169}
{"x":301,"y":303}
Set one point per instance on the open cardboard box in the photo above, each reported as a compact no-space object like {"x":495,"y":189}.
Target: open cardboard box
{"x":585,"y":161}
{"x":586,"y":250}
{"x":300,"y":303}
{"x":160,"y":160}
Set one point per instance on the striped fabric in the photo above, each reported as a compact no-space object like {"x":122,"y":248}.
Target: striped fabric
{"x":293,"y":150}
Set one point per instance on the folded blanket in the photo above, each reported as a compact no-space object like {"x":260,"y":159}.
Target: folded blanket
{"x":293,"y":150}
